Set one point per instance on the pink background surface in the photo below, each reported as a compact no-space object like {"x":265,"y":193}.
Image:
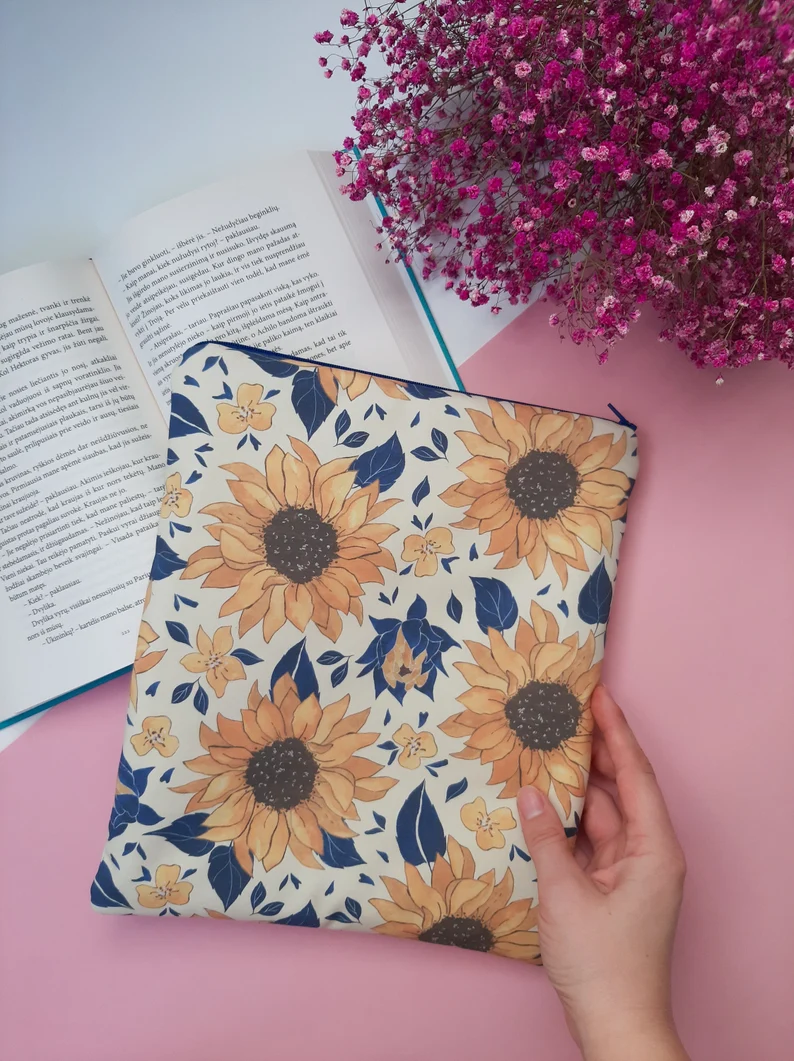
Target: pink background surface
{"x":699,"y":654}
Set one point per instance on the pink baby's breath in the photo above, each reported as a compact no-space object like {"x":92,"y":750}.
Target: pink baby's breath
{"x":616,"y":152}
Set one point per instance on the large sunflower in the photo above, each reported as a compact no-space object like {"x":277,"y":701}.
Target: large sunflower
{"x":459,"y":909}
{"x":540,"y":485}
{"x":527,"y":711}
{"x":299,"y":544}
{"x":283,"y":775}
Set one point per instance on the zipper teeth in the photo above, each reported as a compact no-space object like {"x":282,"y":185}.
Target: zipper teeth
{"x":401,"y":379}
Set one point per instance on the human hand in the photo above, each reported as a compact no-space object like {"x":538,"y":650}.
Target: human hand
{"x":608,"y":913}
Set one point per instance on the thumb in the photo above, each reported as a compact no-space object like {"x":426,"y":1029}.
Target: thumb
{"x":546,"y":840}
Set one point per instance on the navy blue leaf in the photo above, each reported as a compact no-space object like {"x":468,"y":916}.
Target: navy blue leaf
{"x":185,"y":418}
{"x":152,"y":689}
{"x":188,"y":873}
{"x":205,"y":447}
{"x":270,"y":393}
{"x":165,"y":562}
{"x":364,"y":879}
{"x":201,"y":701}
{"x":268,"y":361}
{"x":242,"y":442}
{"x":456,"y":789}
{"x":417,"y":522}
{"x":595,"y":598}
{"x":254,"y":442}
{"x":379,"y":819}
{"x":181,"y":526}
{"x":200,"y":459}
{"x":405,"y":570}
{"x":147,"y":816}
{"x":226,"y":393}
{"x":178,"y":632}
{"x":339,"y":852}
{"x":368,"y":413}
{"x":422,"y":718}
{"x":305,"y":918}
{"x":383,"y":855}
{"x":115,"y":863}
{"x":145,"y":875}
{"x":384,"y":464}
{"x":454,"y":608}
{"x":247,"y":658}
{"x":383,"y":598}
{"x":190,"y":382}
{"x":184,"y":834}
{"x":421,"y":491}
{"x":163,"y":912}
{"x":166,"y":775}
{"x":544,"y":591}
{"x":353,"y":907}
{"x":329,"y":658}
{"x":420,"y":835}
{"x":393,"y":756}
{"x":439,"y":763}
{"x":563,"y":608}
{"x":141,"y":852}
{"x":329,"y":889}
{"x":339,"y":675}
{"x":473,"y":552}
{"x":386,"y":717}
{"x":128,"y":847}
{"x":355,"y":440}
{"x":296,"y":662}
{"x":431,"y":771}
{"x":394,"y":595}
{"x":271,"y":909}
{"x":381,"y":412}
{"x":425,"y":453}
{"x":284,"y":883}
{"x":450,"y":411}
{"x":520,"y":853}
{"x":494,"y":604}
{"x":418,"y":609}
{"x":415,"y":420}
{"x":439,"y":440}
{"x":258,"y":895}
{"x":171,"y":457}
{"x":372,"y":832}
{"x":173,"y":912}
{"x":446,"y":563}
{"x":104,"y":892}
{"x":341,"y":424}
{"x":210,"y":361}
{"x":182,"y":692}
{"x":192,"y":478}
{"x":223,"y":367}
{"x":388,"y":746}
{"x":428,"y":521}
{"x":310,"y":401}
{"x":190,"y":603}
{"x":140,"y":779}
{"x":424,"y":390}
{"x":226,"y":876}
{"x":339,"y":916}
{"x":295,"y":882}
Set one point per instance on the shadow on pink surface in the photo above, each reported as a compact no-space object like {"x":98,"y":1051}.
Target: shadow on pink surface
{"x":697,"y":655}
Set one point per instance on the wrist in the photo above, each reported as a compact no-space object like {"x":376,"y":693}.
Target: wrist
{"x":649,"y":1036}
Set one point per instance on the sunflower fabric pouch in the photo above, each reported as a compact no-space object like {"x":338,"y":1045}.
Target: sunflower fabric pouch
{"x":376,"y":610}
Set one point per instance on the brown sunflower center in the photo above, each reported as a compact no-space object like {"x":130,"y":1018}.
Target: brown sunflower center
{"x":299,"y":543}
{"x":282,"y":775}
{"x":465,"y":932}
{"x":542,"y":484}
{"x":543,"y":715}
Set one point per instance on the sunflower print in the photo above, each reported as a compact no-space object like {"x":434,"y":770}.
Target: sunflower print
{"x":526,"y":711}
{"x":459,"y":909}
{"x":281,"y":775}
{"x":298,"y":546}
{"x":354,"y":383}
{"x":541,"y":486}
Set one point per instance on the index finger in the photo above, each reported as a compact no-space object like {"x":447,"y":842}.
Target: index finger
{"x":640,"y":796}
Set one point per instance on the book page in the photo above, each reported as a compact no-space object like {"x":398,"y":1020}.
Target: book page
{"x":261,"y":259}
{"x":81,"y":471}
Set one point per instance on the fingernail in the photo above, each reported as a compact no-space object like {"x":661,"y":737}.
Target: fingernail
{"x":530,"y":803}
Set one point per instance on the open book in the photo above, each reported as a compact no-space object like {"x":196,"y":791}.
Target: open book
{"x":277,"y":259}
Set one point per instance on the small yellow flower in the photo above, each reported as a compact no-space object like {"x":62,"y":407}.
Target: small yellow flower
{"x":487,"y":826}
{"x":167,"y":889}
{"x":249,"y":412}
{"x":213,"y":659}
{"x":155,"y":733}
{"x":415,"y":746}
{"x":402,"y":667}
{"x":423,"y":549}
{"x":176,"y":501}
{"x":144,"y":660}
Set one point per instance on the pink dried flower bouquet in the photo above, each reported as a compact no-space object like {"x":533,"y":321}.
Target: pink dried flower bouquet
{"x":621,"y":152}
